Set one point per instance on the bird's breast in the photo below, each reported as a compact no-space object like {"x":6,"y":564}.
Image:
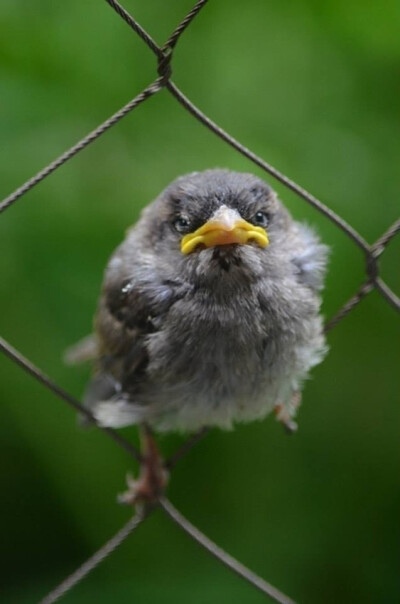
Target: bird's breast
{"x":214,"y":344}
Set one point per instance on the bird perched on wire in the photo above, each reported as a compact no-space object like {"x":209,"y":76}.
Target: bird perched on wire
{"x":209,"y":312}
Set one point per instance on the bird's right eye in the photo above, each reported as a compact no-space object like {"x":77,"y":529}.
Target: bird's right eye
{"x":182,"y":225}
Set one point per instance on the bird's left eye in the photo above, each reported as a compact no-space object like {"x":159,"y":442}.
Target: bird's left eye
{"x":261,"y":219}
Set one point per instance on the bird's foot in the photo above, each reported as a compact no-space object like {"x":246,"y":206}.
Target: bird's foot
{"x":153,"y":477}
{"x":284,"y":413}
{"x":284,"y":418}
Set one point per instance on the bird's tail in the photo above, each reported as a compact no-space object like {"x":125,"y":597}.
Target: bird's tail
{"x":83,"y":351}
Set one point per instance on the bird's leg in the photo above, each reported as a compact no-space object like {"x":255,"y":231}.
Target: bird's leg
{"x":285,"y":412}
{"x":153,"y":477}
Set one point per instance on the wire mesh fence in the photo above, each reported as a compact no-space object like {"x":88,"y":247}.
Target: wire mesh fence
{"x":373,"y":281}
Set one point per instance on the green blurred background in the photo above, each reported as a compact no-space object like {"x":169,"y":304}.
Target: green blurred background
{"x":313,"y":88}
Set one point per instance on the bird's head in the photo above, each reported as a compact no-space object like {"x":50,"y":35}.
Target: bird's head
{"x":208,"y":224}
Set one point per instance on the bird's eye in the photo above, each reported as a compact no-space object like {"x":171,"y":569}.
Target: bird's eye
{"x":261,"y":219}
{"x":182,"y":225}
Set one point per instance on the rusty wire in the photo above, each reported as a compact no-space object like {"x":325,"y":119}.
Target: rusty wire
{"x":373,"y":281}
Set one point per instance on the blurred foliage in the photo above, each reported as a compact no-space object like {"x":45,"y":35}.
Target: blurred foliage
{"x":312,"y":87}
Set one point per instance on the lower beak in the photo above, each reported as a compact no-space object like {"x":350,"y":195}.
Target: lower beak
{"x":222,"y":230}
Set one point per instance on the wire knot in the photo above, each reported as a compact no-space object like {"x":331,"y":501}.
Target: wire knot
{"x":372,"y":267}
{"x":164,"y":69}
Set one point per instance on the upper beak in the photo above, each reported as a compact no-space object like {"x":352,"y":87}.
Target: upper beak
{"x":224,"y":227}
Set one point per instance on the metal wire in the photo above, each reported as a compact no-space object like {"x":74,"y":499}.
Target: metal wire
{"x":185,"y":448}
{"x":156,"y":86}
{"x":41,"y":377}
{"x":373,"y":281}
{"x":216,"y":551}
{"x":96,"y":559}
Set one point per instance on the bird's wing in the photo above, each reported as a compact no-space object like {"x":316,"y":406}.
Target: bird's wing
{"x":310,"y":258}
{"x":130,"y":309}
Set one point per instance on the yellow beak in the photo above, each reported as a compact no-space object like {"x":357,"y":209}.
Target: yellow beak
{"x":226,"y":226}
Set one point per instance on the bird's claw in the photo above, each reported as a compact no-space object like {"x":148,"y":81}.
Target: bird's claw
{"x":129,"y":497}
{"x":147,"y":489}
{"x":153,"y":476}
{"x":284,"y":414}
{"x":290,"y":426}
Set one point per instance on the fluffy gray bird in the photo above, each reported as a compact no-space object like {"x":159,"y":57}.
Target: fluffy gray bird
{"x":209,"y":312}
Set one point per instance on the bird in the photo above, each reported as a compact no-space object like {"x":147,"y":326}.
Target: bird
{"x":209,"y":313}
